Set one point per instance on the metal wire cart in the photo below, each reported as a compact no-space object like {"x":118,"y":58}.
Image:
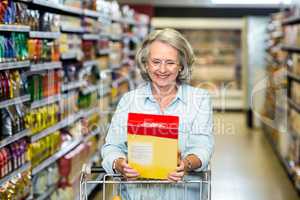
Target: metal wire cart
{"x":196,"y":185}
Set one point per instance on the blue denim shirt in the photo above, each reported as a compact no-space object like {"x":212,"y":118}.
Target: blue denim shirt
{"x":192,"y":105}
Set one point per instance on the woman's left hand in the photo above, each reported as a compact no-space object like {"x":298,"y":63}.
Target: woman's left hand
{"x":178,"y":174}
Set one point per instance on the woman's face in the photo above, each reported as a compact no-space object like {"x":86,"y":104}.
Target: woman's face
{"x":163,"y":65}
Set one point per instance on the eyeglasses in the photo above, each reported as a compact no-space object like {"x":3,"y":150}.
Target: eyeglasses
{"x":170,"y":64}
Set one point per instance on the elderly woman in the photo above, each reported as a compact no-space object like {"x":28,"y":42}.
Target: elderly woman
{"x":164,"y":59}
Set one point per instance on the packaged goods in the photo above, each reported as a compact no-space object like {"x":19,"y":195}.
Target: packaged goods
{"x":152,"y":144}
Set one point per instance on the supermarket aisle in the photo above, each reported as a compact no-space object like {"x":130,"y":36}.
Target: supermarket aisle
{"x":244,"y":166}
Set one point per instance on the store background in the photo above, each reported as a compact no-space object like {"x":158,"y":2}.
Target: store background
{"x":65,"y":64}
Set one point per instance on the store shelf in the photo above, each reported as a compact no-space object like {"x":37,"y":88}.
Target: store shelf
{"x":18,"y":100}
{"x":71,"y":29}
{"x":52,"y":7}
{"x":104,"y":35}
{"x":294,"y":105}
{"x":73,"y":85}
{"x":46,"y":132}
{"x":13,"y":138}
{"x":91,"y":13}
{"x":63,"y":123}
{"x":90,"y":63}
{"x":120,"y":80}
{"x":115,"y":66}
{"x":46,"y":66}
{"x":72,"y":54}
{"x":47,"y":194}
{"x":45,"y":101}
{"x":290,"y":48}
{"x":8,"y":177}
{"x":14,"y":28}
{"x":55,"y":157}
{"x":14,"y":65}
{"x":90,"y":89}
{"x":93,"y":133}
{"x":104,"y":51}
{"x":44,"y":35}
{"x":291,"y":21}
{"x":72,"y":10}
{"x":293,"y":76}
{"x":88,"y":36}
{"x":116,"y":37}
{"x":104,"y":90}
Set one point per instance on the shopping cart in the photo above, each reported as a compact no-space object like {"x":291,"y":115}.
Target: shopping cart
{"x":196,"y":185}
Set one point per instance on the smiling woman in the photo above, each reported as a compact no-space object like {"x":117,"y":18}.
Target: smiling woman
{"x":165,"y":59}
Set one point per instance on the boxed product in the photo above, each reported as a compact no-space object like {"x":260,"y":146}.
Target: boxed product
{"x":152,"y":144}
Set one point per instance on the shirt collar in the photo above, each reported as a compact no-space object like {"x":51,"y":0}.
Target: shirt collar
{"x":180,"y":93}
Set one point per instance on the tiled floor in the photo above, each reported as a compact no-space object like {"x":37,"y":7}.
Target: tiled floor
{"x":244,"y":166}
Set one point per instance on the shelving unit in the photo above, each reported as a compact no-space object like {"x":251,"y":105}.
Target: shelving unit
{"x":46,"y":66}
{"x":14,"y":173}
{"x":14,"y":65}
{"x":17,"y":100}
{"x":282,"y":52}
{"x":13,"y":138}
{"x":45,"y":101}
{"x":84,"y":86}
{"x":44,"y":35}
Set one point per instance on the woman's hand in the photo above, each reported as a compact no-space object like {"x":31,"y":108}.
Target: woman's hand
{"x":178,"y":174}
{"x":123,"y":168}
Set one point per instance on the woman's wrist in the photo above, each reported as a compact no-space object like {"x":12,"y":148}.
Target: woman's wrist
{"x":191,"y":162}
{"x":116,"y":164}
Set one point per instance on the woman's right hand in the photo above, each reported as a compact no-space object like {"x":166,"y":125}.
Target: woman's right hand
{"x":124,"y":169}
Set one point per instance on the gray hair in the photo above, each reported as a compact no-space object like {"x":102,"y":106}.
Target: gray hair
{"x":176,"y":40}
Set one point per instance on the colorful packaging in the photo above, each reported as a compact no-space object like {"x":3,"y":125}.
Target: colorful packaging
{"x":152,"y":144}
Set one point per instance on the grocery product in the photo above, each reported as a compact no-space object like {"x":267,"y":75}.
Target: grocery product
{"x":152,"y":144}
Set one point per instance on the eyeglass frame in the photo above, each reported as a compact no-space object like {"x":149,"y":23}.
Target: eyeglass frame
{"x":164,"y":62}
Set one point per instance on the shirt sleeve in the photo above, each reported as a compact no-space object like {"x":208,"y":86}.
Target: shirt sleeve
{"x":115,"y":141}
{"x":200,"y":140}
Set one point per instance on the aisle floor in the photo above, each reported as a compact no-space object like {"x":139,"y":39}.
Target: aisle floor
{"x":244,"y":166}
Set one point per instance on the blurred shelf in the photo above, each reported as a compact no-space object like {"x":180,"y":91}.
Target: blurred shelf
{"x":89,"y":36}
{"x":90,"y":89}
{"x":71,"y":29}
{"x":14,"y":28}
{"x":104,"y":35}
{"x":46,"y":132}
{"x":115,"y":66}
{"x":71,"y":54}
{"x":21,"y":169}
{"x":91,"y":13}
{"x":45,"y":101}
{"x":46,"y":66}
{"x":73,"y":85}
{"x":104,"y":51}
{"x":294,"y":105}
{"x":53,"y":7}
{"x":116,"y":37}
{"x":104,"y":90}
{"x":291,"y":20}
{"x":44,"y":35}
{"x":14,"y":65}
{"x":18,"y":100}
{"x":6,"y":141}
{"x":93,"y":133}
{"x":48,"y":193}
{"x":55,"y":157}
{"x":90,"y":63}
{"x":120,"y":80}
{"x":293,"y":76}
{"x":290,"y":48}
